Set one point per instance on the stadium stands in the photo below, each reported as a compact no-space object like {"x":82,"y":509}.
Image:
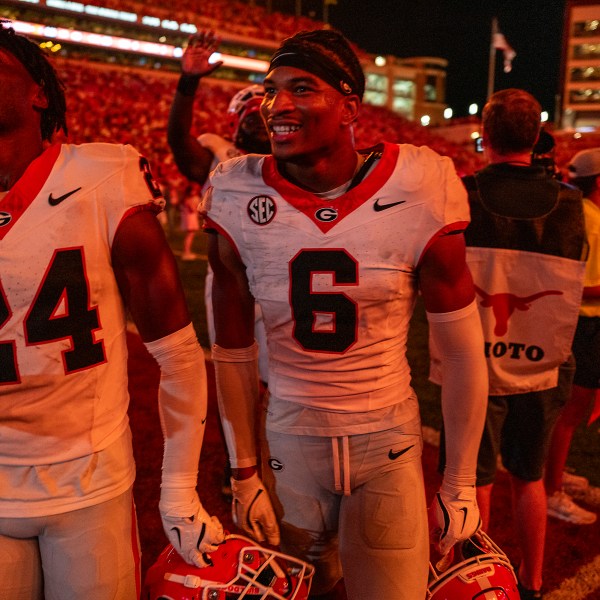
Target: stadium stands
{"x":123,"y":103}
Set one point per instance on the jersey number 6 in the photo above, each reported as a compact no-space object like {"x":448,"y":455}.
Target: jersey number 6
{"x":337,"y":308}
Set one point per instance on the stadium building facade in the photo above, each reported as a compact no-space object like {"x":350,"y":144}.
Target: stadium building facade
{"x":581,"y":65}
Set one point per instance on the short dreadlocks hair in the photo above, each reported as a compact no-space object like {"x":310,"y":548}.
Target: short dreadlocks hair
{"x":325,"y":53}
{"x":32,"y":57}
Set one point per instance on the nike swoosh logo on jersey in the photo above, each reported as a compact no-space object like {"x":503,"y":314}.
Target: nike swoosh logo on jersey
{"x":394,"y":455}
{"x":56,"y":201}
{"x":377,"y":207}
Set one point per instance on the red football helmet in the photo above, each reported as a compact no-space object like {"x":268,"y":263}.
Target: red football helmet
{"x":481,"y":571}
{"x":240,"y":569}
{"x":244,"y":103}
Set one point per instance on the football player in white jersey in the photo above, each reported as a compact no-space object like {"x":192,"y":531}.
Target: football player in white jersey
{"x":334,"y":245}
{"x":80,"y":245}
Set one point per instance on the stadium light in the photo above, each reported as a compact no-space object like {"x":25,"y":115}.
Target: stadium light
{"x":448,"y":113}
{"x":87,"y":38}
{"x":544,"y":116}
{"x":425,"y":120}
{"x":473,"y":108}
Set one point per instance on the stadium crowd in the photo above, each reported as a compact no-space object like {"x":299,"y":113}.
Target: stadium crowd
{"x":238,"y":18}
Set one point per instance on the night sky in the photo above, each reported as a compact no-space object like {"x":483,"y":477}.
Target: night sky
{"x":460,"y":32}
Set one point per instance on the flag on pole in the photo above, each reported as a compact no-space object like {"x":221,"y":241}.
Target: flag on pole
{"x":499,"y":43}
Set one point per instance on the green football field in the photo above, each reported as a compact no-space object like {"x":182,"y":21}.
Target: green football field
{"x":584,"y":457}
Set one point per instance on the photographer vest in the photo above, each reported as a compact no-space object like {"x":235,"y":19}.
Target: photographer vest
{"x":525,"y":246}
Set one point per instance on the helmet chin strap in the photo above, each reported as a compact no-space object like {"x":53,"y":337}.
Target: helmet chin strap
{"x":188,"y":581}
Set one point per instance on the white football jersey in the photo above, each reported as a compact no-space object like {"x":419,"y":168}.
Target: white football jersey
{"x":336,"y":279}
{"x":220,"y":148}
{"x":63,"y":355}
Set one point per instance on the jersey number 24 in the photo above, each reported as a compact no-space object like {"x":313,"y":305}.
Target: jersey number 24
{"x":64,"y":285}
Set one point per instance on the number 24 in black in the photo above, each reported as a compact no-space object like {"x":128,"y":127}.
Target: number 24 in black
{"x":65,"y":281}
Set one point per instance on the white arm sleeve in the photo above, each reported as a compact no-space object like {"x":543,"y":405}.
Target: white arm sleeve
{"x":458,"y":338}
{"x":182,"y":402}
{"x":236,"y":374}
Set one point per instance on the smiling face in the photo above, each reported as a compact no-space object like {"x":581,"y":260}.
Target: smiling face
{"x":307,"y":119}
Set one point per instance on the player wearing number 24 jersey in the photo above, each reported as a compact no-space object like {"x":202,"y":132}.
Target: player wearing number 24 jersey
{"x":79,"y":246}
{"x":63,"y":342}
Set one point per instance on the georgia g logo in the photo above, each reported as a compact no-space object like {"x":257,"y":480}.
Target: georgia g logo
{"x":326,"y":214}
{"x":5,"y":218}
{"x":262,"y":209}
{"x":275,"y":464}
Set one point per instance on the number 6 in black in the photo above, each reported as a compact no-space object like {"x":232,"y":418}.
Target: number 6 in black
{"x":307,"y":304}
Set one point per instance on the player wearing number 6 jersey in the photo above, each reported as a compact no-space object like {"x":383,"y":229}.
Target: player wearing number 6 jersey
{"x":335,"y":244}
{"x":80,"y":244}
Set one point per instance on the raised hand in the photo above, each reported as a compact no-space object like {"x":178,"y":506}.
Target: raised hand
{"x":199,"y":49}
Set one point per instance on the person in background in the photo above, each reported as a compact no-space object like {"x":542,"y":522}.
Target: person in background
{"x":524,"y":248}
{"x":543,"y":154}
{"x":190,"y":224}
{"x":81,"y":245}
{"x":335,"y":244}
{"x":583,"y":172}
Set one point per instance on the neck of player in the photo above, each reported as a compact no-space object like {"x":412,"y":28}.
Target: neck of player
{"x":16,"y":154}
{"x":324,"y":173}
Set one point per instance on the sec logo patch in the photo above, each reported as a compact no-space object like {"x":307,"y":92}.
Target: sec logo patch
{"x":261,"y":209}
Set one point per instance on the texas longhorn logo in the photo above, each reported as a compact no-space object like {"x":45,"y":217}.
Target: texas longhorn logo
{"x":504,"y":304}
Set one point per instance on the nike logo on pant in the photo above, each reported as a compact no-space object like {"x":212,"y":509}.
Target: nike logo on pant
{"x":394,"y":455}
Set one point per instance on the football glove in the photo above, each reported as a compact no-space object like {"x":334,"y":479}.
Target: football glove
{"x":454,"y":516}
{"x":252,"y":510}
{"x":192,"y":532}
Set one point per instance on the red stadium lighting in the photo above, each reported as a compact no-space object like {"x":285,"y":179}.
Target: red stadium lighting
{"x":127,"y":44}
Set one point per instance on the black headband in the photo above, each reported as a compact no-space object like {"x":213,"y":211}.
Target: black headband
{"x":315,"y":62}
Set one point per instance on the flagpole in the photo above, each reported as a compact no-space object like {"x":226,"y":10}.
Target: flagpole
{"x":492,"y":63}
